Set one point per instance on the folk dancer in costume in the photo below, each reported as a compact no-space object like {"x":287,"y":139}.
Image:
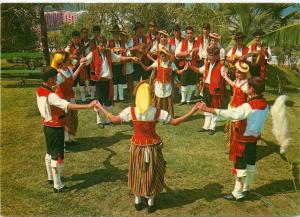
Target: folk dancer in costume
{"x":214,"y":87}
{"x":127,"y":66}
{"x":174,"y":42}
{"x":65,"y":79}
{"x":100,"y":61}
{"x":163,"y":84}
{"x":93,"y":45}
{"x":261,"y":55}
{"x":52,"y":109}
{"x":85,"y":41}
{"x":76,"y":51}
{"x":146,"y":163}
{"x":215,"y":42}
{"x":237,"y":53}
{"x":139,"y":39}
{"x":162,"y":41}
{"x":187,"y":51}
{"x":253,"y":115}
{"x":119,"y":78}
{"x":240,"y":94}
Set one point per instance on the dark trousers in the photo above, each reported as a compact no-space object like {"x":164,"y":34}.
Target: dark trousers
{"x":139,"y":72}
{"x":118,"y":77}
{"x":102,"y":92}
{"x":189,"y":77}
{"x":249,"y":158}
{"x":55,"y":142}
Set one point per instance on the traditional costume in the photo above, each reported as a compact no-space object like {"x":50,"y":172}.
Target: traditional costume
{"x":52,"y":109}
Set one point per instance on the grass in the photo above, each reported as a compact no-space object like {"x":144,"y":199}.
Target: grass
{"x":22,"y":54}
{"x":198,"y":169}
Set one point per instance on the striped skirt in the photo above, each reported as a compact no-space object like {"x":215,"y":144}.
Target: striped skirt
{"x":165,"y":103}
{"x":146,"y":170}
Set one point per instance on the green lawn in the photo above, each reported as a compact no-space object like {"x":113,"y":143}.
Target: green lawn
{"x":198,"y":169}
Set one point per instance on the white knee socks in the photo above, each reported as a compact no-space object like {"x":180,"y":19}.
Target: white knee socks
{"x":48,"y":166}
{"x":82,"y":93}
{"x":250,"y":176}
{"x":56,"y":172}
{"x":239,"y":183}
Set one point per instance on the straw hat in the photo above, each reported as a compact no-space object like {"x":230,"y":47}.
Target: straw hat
{"x":164,"y":32}
{"x":242,"y":67}
{"x":58,"y":58}
{"x":143,"y":97}
{"x":215,"y":35}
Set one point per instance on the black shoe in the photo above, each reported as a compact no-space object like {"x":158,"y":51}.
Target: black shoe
{"x":109,"y":124}
{"x":63,"y":189}
{"x":50,"y":182}
{"x":151,"y":209}
{"x":182,"y":103}
{"x":211,"y":132}
{"x":138,"y":207}
{"x":246,"y":193}
{"x":101,"y":126}
{"x":202,"y":130}
{"x":230,"y":197}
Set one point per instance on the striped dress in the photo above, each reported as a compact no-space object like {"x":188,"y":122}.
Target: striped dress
{"x":146,"y":162}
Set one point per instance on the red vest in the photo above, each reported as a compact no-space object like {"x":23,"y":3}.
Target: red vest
{"x":163,"y":74}
{"x":216,"y":86}
{"x":239,"y":97}
{"x":64,"y":90}
{"x":263,"y":59}
{"x":144,"y":131}
{"x":58,"y":115}
{"x":184,"y":47}
{"x":96,"y":65}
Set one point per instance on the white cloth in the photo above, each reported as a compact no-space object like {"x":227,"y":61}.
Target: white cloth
{"x":87,"y":49}
{"x":203,"y":48}
{"x":44,"y":103}
{"x":238,"y":53}
{"x":173,"y":47}
{"x":105,"y":72}
{"x":153,"y":49}
{"x":129,"y":64}
{"x":258,"y":48}
{"x":163,"y":89}
{"x":190,"y":47}
{"x":125,"y":115}
{"x":67,"y":73}
{"x":255,"y":118}
{"x":211,"y":66}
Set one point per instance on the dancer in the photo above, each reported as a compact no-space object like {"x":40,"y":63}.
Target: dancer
{"x":252,"y":116}
{"x":146,"y":163}
{"x":52,"y":109}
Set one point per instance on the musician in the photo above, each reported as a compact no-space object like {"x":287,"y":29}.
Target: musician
{"x":186,"y":51}
{"x":86,"y":43}
{"x":262,"y":54}
{"x":100,"y":61}
{"x":163,"y":38}
{"x":139,"y":39}
{"x":75,"y":49}
{"x":119,"y":79}
{"x":93,"y":44}
{"x":239,"y":51}
{"x":215,"y":42}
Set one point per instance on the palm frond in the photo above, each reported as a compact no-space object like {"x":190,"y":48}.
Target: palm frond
{"x":285,"y":36}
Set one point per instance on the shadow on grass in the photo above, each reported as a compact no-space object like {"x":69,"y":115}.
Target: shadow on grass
{"x":109,"y":174}
{"x":98,"y":142}
{"x":180,"y":197}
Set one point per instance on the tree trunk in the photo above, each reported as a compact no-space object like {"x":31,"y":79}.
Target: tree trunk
{"x":44,"y":36}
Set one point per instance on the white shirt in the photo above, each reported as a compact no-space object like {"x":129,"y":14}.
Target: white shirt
{"x":87,"y":47}
{"x":173,"y":47}
{"x":190,"y":47}
{"x":211,"y":66}
{"x":163,"y":90}
{"x":245,"y":87}
{"x":44,"y":103}
{"x":129,"y":64}
{"x":255,"y":118}
{"x":125,"y":115}
{"x":238,"y":53}
{"x":67,"y":73}
{"x":203,"y":48}
{"x":105,"y":72}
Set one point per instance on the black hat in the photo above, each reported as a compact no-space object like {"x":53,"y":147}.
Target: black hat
{"x":239,"y":35}
{"x":258,"y":32}
{"x":176,"y":28}
{"x":96,"y":29}
{"x":138,"y":24}
{"x":116,"y":28}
